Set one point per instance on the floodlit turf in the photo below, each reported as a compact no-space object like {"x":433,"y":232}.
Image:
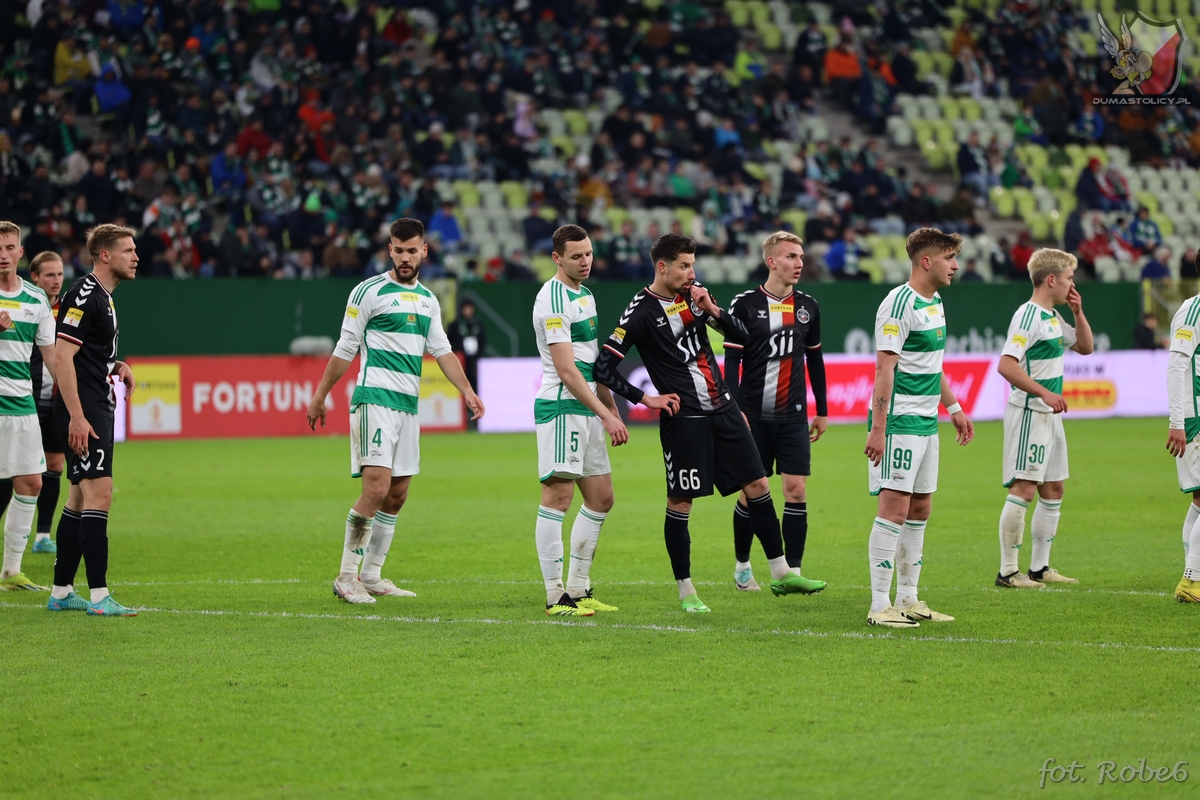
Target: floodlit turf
{"x":244,"y":676}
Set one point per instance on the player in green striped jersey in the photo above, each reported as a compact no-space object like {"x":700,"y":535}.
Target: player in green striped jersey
{"x":1035,"y":445}
{"x":572,"y":415}
{"x":25,"y":322}
{"x":391,"y":321}
{"x":1183,"y":436}
{"x":902,"y":447}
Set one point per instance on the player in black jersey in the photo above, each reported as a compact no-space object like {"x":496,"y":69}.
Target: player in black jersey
{"x":86,"y":355}
{"x":784,"y":327}
{"x":46,"y":272}
{"x":707,"y":442}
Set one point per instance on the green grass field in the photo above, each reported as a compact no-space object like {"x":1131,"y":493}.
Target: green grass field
{"x":243,"y":676}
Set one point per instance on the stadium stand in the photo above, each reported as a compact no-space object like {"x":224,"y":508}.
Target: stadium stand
{"x":277,"y":137}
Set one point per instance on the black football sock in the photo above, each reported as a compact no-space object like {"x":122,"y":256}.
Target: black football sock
{"x":66,"y":563}
{"x":48,"y":501}
{"x":765,"y":522}
{"x":679,"y":544}
{"x":6,"y":491}
{"x":93,"y":540}
{"x":795,"y":532}
{"x":743,"y":533}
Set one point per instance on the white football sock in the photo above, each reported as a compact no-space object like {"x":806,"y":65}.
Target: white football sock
{"x":358,"y":532}
{"x":548,"y":537}
{"x":16,"y":532}
{"x":382,"y":531}
{"x":779,"y":567}
{"x":738,"y":566}
{"x":909,"y":550}
{"x":881,"y":550}
{"x":61,"y":592}
{"x":1193,"y":514}
{"x":1012,"y":531}
{"x":685,"y":588}
{"x":1191,"y":562}
{"x":40,"y":537}
{"x":585,"y":533}
{"x":99,"y":594}
{"x":1043,"y":529}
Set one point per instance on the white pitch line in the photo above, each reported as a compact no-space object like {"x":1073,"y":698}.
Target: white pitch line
{"x":658,"y":628}
{"x":467,"y":581}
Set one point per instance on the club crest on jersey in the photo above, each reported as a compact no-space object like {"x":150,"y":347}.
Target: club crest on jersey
{"x":73,"y":317}
{"x":803,"y":317}
{"x":676,"y":309}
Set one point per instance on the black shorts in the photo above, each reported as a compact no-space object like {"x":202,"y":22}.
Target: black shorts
{"x":52,"y":440}
{"x":701,"y":452}
{"x":98,"y":463}
{"x":783,"y":443}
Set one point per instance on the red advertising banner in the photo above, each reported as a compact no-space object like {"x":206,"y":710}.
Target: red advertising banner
{"x":850,"y":384}
{"x":239,"y":396}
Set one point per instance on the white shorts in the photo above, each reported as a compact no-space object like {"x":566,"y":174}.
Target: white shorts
{"x":384,"y":437}
{"x":573,"y":447}
{"x":1189,"y":467}
{"x":21,"y":446}
{"x":910,"y":465}
{"x":1035,"y":446}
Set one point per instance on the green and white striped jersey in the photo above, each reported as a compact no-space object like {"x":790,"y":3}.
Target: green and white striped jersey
{"x":32,"y":324}
{"x":392,"y":326}
{"x":1036,"y":339}
{"x":915,"y":328}
{"x":561,"y":314}
{"x":1185,"y":335}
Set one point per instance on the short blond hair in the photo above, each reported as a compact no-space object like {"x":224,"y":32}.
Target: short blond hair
{"x":923,"y":239}
{"x":103,"y":237}
{"x":35,"y":266}
{"x":777,"y":238}
{"x":9,"y":228}
{"x":1048,"y":261}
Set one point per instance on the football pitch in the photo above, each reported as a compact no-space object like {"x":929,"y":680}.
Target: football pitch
{"x":244,"y":676}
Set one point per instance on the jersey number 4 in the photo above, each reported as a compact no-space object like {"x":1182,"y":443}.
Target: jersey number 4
{"x":377,"y":439}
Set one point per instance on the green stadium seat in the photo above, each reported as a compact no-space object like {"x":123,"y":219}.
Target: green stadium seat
{"x":739,"y":14}
{"x":616,"y":217}
{"x":873,"y":268}
{"x":577,"y":122}
{"x":971,"y":111}
{"x":1147,"y":199}
{"x":796,"y":218}
{"x":1039,"y":227}
{"x":1003,"y":202}
{"x":772,"y":37}
{"x":1165,"y":225}
{"x":685,"y":215}
{"x":543,"y":267}
{"x":759,"y":13}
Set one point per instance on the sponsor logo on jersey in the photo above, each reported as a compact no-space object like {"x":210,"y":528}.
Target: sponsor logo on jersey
{"x":1183,"y":333}
{"x":351,"y":312}
{"x":619,"y":334}
{"x":891,"y":330}
{"x":410,"y":296}
{"x":1053,"y":322}
{"x":662,"y":321}
{"x":803,"y":316}
{"x":555,"y":322}
{"x":675,"y":309}
{"x":933,"y":311}
{"x":73,"y":317}
{"x":782,"y":308}
{"x":762,"y":314}
{"x":1018,"y":339}
{"x":13,"y":304}
{"x":584,"y":302}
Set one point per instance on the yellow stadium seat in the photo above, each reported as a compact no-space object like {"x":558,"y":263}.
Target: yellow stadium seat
{"x":543,"y":267}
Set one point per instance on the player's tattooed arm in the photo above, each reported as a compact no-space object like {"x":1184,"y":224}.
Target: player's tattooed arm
{"x":885,"y":379}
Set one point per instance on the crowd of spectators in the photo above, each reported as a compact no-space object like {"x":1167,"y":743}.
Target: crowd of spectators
{"x":278,"y":137}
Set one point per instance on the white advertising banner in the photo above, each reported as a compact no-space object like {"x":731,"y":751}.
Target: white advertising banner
{"x":1119,"y":383}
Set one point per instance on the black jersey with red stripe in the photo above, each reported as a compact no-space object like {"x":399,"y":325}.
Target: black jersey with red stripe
{"x":772,"y":386}
{"x":670,"y":335}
